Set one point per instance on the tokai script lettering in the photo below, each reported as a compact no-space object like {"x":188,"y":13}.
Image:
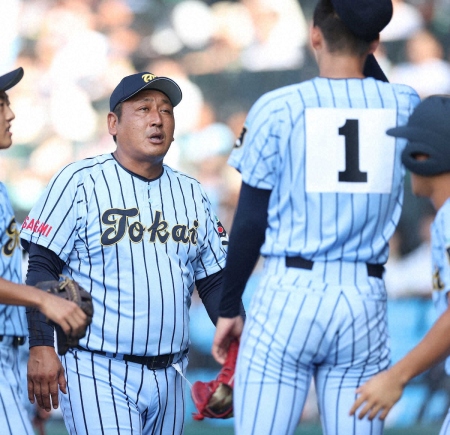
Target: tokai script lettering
{"x":13,"y":238}
{"x":119,"y":225}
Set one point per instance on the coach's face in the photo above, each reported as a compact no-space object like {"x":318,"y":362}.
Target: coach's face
{"x":6,"y":116}
{"x":145,"y":129}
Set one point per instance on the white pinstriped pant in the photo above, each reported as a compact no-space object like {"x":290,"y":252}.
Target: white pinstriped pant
{"x":328,"y":324}
{"x":108,"y":396}
{"x":14,"y":417}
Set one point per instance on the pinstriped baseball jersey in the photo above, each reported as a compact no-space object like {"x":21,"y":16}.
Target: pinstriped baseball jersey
{"x":136,"y":245}
{"x":336,"y":177}
{"x":12,"y":318}
{"x":440,"y":257}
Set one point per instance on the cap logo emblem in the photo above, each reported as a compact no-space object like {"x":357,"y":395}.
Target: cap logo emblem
{"x":148,"y":77}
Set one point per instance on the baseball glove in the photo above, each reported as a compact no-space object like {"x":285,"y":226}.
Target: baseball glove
{"x":70,"y":290}
{"x":214,"y":399}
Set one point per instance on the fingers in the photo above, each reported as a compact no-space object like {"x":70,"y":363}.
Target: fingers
{"x":370,"y":409}
{"x":219,"y":352}
{"x":67,"y":314}
{"x":358,"y":402}
{"x":45,"y":375}
{"x":30,"y":389}
{"x":78,"y":323}
{"x":41,"y":393}
{"x":62,"y":382}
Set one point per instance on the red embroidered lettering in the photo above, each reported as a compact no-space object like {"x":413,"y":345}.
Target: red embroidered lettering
{"x":30,"y":226}
{"x":24,"y":223}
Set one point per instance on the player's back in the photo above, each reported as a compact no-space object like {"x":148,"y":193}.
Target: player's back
{"x":336,"y":177}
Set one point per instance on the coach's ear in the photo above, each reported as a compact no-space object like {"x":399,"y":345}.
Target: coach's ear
{"x":112,"y":123}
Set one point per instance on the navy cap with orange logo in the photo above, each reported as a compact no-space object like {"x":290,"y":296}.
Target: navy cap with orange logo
{"x":131,"y":85}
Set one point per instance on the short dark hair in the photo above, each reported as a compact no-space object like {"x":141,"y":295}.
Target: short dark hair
{"x":4,"y":96}
{"x":337,"y":35}
{"x":118,"y":112}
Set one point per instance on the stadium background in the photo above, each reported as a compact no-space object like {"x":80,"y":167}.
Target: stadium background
{"x":224,"y":55}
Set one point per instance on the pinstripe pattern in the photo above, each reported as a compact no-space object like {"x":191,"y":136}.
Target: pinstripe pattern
{"x":13,"y":322}
{"x":440,"y":257}
{"x":140,"y":281}
{"x":12,"y":318}
{"x":137,"y":246}
{"x":348,"y":226}
{"x":107,"y":396}
{"x":300,"y":326}
{"x":337,"y":188}
{"x":13,"y":416}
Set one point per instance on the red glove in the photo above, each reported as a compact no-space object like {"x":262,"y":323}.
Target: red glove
{"x":214,"y":399}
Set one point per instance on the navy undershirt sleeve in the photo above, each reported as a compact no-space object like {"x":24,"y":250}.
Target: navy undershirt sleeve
{"x":246,"y":238}
{"x":210,"y":290}
{"x":43,"y":265}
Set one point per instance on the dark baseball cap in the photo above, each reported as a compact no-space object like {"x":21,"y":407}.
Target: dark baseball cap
{"x":8,"y":80}
{"x":131,"y":85}
{"x":428,"y":132}
{"x":365,"y":18}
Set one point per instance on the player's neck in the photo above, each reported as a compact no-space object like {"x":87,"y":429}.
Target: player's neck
{"x":143,"y":168}
{"x":441,"y":190}
{"x":340,"y":66}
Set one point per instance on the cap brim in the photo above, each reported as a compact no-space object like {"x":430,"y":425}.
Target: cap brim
{"x":164,"y":85}
{"x":7,"y":81}
{"x":415,"y":134}
{"x":408,"y":132}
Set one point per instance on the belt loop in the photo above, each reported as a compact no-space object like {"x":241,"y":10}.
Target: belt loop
{"x":299,"y":263}
{"x":373,"y":270}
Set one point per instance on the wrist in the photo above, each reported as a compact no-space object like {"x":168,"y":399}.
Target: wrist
{"x":401,"y":373}
{"x":38,"y":297}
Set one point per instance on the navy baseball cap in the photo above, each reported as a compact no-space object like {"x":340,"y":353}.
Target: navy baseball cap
{"x":428,"y":132}
{"x":365,"y":18}
{"x":131,"y":85}
{"x":8,"y":80}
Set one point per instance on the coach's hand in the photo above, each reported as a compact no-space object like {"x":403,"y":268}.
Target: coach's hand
{"x":45,"y":376}
{"x":227,"y":329}
{"x":378,"y":395}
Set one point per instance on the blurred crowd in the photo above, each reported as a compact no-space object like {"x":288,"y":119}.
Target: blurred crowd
{"x":223,"y":54}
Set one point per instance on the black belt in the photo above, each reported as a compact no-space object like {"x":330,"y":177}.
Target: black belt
{"x":152,"y":362}
{"x":17,"y":340}
{"x":374,"y":270}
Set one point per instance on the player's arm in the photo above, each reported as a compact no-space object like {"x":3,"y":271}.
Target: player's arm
{"x":45,"y":371}
{"x":66,"y":313}
{"x":210,"y":292}
{"x":246,"y":238}
{"x":380,"y":393}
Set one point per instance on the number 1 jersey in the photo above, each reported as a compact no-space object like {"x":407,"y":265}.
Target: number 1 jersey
{"x":336,"y":177}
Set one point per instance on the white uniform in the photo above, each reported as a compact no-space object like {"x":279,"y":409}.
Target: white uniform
{"x":137,"y":246}
{"x":337,"y":188}
{"x":13,"y":327}
{"x":440,"y":257}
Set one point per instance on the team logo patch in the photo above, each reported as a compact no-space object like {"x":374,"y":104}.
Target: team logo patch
{"x":240,"y":140}
{"x":120,"y":225}
{"x":437,"y":282}
{"x":222,"y":233}
{"x":148,"y":77}
{"x":13,"y":238}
